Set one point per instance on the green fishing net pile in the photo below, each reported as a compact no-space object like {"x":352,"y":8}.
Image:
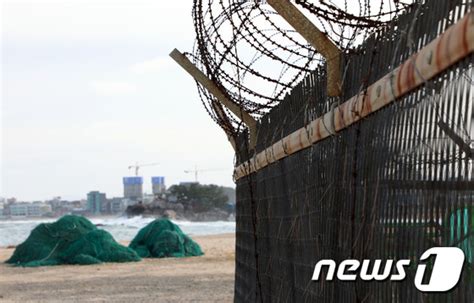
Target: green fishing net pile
{"x":70,"y":240}
{"x":162,"y":238}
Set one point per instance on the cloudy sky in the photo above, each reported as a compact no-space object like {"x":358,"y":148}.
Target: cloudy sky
{"x":88,"y":89}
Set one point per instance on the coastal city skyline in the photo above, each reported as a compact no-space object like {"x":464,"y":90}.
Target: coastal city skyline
{"x":95,"y":202}
{"x":122,"y":100}
{"x":189,"y":176}
{"x":148,"y":187}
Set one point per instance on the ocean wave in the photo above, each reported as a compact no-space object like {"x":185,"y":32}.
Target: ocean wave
{"x":14,"y":232}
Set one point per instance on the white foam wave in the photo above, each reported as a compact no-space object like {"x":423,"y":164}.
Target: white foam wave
{"x":13,"y":232}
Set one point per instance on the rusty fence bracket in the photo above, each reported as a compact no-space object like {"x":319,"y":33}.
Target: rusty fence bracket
{"x":316,"y":38}
{"x":212,"y":88}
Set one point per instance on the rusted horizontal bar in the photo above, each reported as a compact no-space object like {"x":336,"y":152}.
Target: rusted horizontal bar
{"x":456,"y":43}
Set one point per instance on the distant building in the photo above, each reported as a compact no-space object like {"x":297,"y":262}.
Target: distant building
{"x":61,"y":207}
{"x":56,"y":204}
{"x":105,"y":207}
{"x":78,"y":204}
{"x":158,"y":185}
{"x":6,"y":210}
{"x":19,"y":209}
{"x":95,"y":202}
{"x":133,"y":188}
{"x":37,"y":209}
{"x":118,"y":205}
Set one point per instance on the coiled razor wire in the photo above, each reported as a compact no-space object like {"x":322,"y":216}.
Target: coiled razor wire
{"x":256,"y":58}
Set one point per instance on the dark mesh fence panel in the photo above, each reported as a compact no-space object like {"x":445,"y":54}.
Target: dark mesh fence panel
{"x":388,"y":187}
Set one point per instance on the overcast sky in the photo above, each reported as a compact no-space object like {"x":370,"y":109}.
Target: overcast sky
{"x":88,"y":89}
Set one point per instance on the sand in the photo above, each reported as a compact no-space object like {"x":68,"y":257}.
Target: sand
{"x":209,"y":278}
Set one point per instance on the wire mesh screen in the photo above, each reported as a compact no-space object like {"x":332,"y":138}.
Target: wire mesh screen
{"x":388,"y":187}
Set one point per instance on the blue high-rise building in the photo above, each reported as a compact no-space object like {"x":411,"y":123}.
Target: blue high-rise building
{"x":158,"y":185}
{"x":133,"y":188}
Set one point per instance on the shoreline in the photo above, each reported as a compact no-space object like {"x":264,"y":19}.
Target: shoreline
{"x":122,"y":229}
{"x":208,"y":278}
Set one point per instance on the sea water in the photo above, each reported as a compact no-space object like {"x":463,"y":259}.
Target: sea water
{"x":13,"y":232}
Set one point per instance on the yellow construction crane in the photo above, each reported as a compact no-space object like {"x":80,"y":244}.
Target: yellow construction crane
{"x":196,"y":171}
{"x":137,"y":166}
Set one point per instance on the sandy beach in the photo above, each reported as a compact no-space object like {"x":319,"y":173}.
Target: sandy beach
{"x":209,"y":278}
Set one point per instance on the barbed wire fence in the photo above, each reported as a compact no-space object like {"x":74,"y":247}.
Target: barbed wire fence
{"x":364,"y":184}
{"x":273,"y":57}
